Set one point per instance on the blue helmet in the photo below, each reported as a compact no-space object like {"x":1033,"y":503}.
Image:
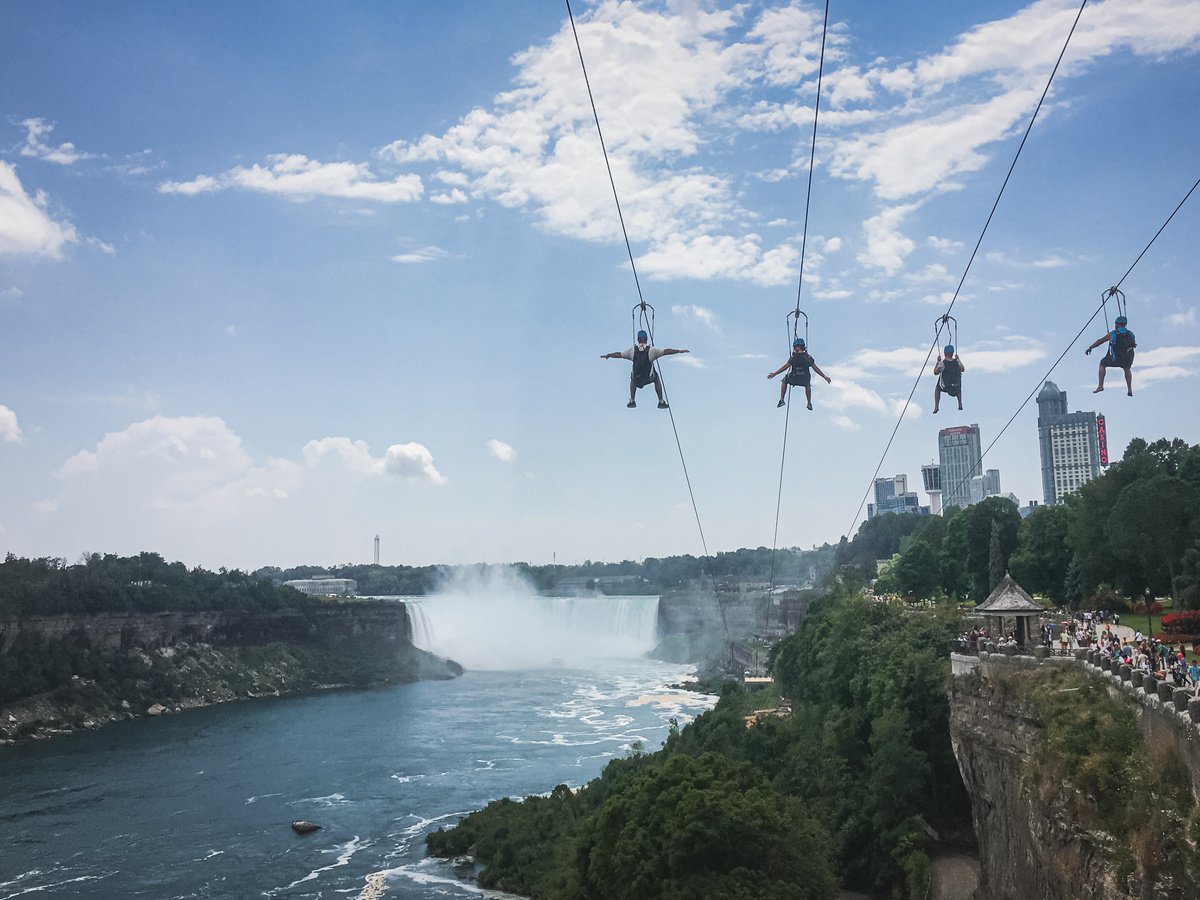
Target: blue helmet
{"x":642,"y":336}
{"x":949,"y":348}
{"x":1122,"y":320}
{"x":798,"y":342}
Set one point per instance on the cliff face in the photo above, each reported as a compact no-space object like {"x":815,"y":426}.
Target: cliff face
{"x":150,"y":664}
{"x":151,"y":631}
{"x":1042,"y":834}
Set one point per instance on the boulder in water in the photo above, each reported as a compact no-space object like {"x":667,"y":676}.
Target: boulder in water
{"x":303,"y":826}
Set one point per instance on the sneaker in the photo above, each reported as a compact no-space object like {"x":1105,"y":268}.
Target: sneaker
{"x":662,"y":404}
{"x":810,"y":406}
{"x":779,"y":404}
{"x":631,"y":404}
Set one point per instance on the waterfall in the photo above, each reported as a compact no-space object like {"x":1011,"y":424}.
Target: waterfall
{"x":508,"y":630}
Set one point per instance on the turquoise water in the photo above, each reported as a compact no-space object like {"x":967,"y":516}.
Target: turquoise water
{"x":199,"y":805}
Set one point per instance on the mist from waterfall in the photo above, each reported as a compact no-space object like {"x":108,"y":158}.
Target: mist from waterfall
{"x":494,"y":619}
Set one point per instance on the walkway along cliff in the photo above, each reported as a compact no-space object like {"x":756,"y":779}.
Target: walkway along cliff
{"x":1083,"y":777}
{"x":86,"y":670}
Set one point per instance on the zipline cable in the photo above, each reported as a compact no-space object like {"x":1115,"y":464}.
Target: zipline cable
{"x":961,"y":281}
{"x":812,"y":155}
{"x":649,"y":329}
{"x":1050,"y":371}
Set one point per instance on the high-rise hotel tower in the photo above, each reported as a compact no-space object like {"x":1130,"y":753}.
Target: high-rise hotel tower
{"x":960,"y":459}
{"x":1073,"y":445}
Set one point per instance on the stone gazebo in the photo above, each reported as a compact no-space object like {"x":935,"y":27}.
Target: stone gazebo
{"x":1009,"y":601}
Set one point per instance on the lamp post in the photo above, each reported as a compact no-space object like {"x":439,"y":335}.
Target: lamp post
{"x":1149,"y":621}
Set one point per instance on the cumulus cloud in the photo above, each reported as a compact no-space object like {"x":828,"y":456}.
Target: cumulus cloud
{"x":845,"y":423}
{"x":297,"y":177}
{"x":701,"y":314}
{"x":36,"y":130}
{"x":1166,"y":356}
{"x":189,"y":482}
{"x":887,"y":247}
{"x":10,"y":431}
{"x":26,"y":228}
{"x":412,"y":462}
{"x":502,"y":451}
{"x":845,"y":393}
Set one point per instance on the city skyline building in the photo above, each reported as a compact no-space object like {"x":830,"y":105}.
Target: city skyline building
{"x":893,"y":496}
{"x":1072,"y":445}
{"x":931,"y":476}
{"x":960,"y":458}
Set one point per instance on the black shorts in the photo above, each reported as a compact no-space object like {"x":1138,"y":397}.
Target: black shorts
{"x":1124,"y":363}
{"x":950,"y":389}
{"x":799,"y":379}
{"x":645,"y":380}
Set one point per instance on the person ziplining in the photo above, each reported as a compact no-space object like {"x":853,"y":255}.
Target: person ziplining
{"x":1121,"y":344}
{"x":800,"y":363}
{"x":644,"y":356}
{"x":949,"y":372}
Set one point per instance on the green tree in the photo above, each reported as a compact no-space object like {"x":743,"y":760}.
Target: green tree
{"x":918,"y":570}
{"x":1043,"y":558}
{"x":979,"y":523}
{"x":1151,"y":525}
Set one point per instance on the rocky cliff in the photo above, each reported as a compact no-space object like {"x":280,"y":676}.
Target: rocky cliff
{"x":112,"y":666}
{"x":1082,"y":788}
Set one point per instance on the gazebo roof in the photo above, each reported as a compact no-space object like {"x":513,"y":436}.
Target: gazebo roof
{"x":1008,"y":599}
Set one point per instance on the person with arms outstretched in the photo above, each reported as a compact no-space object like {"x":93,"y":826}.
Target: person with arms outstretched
{"x":949,"y":372}
{"x":799,"y":363}
{"x":643,"y":358}
{"x":1121,"y":343}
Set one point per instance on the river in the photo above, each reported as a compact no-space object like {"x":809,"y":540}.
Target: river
{"x":199,"y":805}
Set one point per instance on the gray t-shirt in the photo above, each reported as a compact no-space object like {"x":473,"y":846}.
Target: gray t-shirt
{"x":655,"y":353}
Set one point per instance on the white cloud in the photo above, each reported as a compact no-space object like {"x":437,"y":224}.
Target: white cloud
{"x":1165,"y":356}
{"x":1148,"y":375}
{"x":25,"y":226}
{"x":944,"y":136}
{"x":887,"y":247}
{"x":1187,"y":317}
{"x":750,"y":356}
{"x":944,"y":245}
{"x":833,"y":245}
{"x":452,"y":196}
{"x":845,"y":393}
{"x":502,"y":451}
{"x":935,"y":272}
{"x":984,"y":357}
{"x":297,"y":177}
{"x":412,"y":462}
{"x":425,"y":254}
{"x":701,"y":314}
{"x":64,"y":154}
{"x":690,"y":359}
{"x":10,"y":431}
{"x":11,"y":293}
{"x":845,"y":422}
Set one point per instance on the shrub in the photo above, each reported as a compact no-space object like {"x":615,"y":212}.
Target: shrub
{"x":1156,"y":607}
{"x":1140,"y":607}
{"x":1186,"y":622}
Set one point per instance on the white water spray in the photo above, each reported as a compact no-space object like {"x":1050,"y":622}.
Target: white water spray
{"x":494,"y":619}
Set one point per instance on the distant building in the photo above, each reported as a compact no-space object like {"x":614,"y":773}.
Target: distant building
{"x":893,"y":496}
{"x":931,"y":475}
{"x":907,"y":502}
{"x":1026,"y":511}
{"x":960,"y":458}
{"x":325,"y":586}
{"x":1071,"y":445}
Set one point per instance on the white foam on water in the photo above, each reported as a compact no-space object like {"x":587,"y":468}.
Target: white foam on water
{"x":258,"y":797}
{"x":423,"y":873}
{"x":345,"y":853}
{"x":53,"y":886}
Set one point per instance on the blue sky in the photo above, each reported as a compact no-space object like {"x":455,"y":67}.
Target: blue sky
{"x":277,"y":277}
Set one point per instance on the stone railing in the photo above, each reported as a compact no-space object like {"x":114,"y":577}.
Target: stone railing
{"x":1148,"y":690}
